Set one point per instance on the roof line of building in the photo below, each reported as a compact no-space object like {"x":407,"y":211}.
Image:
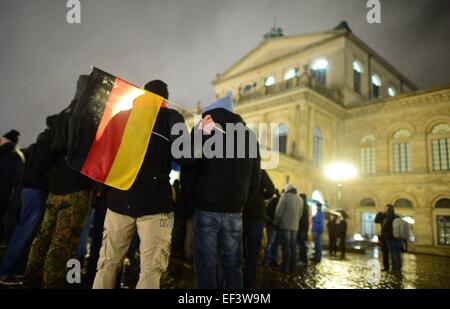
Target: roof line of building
{"x":338,"y":33}
{"x":383,"y":61}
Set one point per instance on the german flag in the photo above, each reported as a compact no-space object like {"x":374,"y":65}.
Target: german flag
{"x":110,"y":129}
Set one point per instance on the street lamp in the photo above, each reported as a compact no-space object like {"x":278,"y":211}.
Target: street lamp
{"x":340,"y":172}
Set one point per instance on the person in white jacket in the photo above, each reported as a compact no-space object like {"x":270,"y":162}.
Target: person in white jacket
{"x":287,"y":217}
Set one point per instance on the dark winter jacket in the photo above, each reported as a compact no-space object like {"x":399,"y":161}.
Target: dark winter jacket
{"x":38,"y":162}
{"x":151,"y":192}
{"x":255,"y":210}
{"x":304,"y":221}
{"x":11,"y":170}
{"x":332,"y":228}
{"x":387,"y":229}
{"x":222,"y":184}
{"x":271,"y":208}
{"x":341,"y":229}
{"x":62,"y":179}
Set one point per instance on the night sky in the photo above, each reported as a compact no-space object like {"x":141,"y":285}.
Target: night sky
{"x":186,"y":43}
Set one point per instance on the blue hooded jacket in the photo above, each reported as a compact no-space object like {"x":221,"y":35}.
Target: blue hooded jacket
{"x":318,"y":222}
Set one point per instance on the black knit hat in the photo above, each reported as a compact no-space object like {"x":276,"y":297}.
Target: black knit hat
{"x":13,"y":136}
{"x":158,"y":87}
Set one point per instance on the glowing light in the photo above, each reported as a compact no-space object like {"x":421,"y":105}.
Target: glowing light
{"x":357,"y":237}
{"x":376,"y":80}
{"x":340,"y":171}
{"x":391,"y":91}
{"x":126,"y":102}
{"x":290,"y":74}
{"x":374,"y":238}
{"x":409,"y":219}
{"x":269,"y":81}
{"x":357,"y":67}
{"x":320,"y":64}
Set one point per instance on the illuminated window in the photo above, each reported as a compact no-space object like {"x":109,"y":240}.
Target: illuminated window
{"x":402,"y":152}
{"x":376,"y":85}
{"x":357,"y":71}
{"x":270,"y":81}
{"x":317,"y":147}
{"x":292,"y":73}
{"x":440,"y":147}
{"x":391,"y":91}
{"x":320,"y":68}
{"x":367,"y":155}
{"x":443,"y":230}
{"x":368,"y":224}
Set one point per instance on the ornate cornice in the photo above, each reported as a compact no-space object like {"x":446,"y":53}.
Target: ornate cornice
{"x":424,"y":97}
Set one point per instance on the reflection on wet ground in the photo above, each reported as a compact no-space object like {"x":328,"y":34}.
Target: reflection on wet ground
{"x":419,"y":272}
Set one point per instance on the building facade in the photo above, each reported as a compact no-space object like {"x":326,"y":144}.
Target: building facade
{"x":328,"y":97}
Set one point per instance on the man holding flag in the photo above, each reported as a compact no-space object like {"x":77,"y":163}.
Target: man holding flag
{"x":121,"y":136}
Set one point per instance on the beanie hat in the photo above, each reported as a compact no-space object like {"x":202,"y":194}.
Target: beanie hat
{"x":158,"y":87}
{"x":13,"y":136}
{"x":224,"y":102}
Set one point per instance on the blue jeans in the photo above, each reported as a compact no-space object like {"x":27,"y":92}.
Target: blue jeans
{"x":289,"y":245}
{"x":252,"y":244}
{"x":302,"y":237}
{"x":81,"y":249}
{"x":273,"y":243}
{"x":214,"y":234}
{"x":317,"y":247}
{"x":32,"y":211}
{"x":394,"y":247}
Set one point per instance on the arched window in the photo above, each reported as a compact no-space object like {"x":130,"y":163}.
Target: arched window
{"x":317,"y":147}
{"x":391,"y":91}
{"x":440,"y":147}
{"x":367,"y":202}
{"x":269,"y":81}
{"x":290,"y":74}
{"x":367,"y":154}
{"x":376,"y":86}
{"x":320,"y":68}
{"x":443,"y":203}
{"x":357,"y":72}
{"x":402,"y":151}
{"x":403,"y":203}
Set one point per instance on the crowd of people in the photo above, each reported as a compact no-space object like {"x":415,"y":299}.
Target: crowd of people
{"x":216,"y":213}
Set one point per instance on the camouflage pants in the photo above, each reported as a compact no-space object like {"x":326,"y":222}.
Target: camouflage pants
{"x":57,"y":240}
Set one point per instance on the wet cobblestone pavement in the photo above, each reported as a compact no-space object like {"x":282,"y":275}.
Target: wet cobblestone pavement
{"x":419,"y":272}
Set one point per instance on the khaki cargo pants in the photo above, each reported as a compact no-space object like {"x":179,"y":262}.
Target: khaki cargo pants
{"x":155,"y":234}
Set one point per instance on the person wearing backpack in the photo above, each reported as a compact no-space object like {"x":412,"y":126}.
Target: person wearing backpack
{"x":394,"y":244}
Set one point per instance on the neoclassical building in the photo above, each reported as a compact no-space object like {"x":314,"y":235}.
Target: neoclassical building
{"x":328,"y":97}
